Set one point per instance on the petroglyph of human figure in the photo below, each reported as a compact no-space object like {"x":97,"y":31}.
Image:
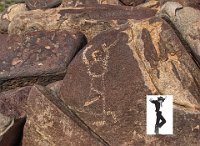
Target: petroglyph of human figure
{"x":98,"y":57}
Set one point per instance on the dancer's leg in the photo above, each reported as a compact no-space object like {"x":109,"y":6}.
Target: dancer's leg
{"x":163,"y":121}
{"x":157,"y":123}
{"x":157,"y":118}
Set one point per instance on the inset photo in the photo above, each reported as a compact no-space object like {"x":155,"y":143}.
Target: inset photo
{"x":159,"y":115}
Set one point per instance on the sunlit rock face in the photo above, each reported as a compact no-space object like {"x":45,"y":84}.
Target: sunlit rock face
{"x":90,"y":20}
{"x":108,"y":80}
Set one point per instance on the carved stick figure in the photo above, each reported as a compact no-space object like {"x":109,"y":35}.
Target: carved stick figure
{"x":98,"y":57}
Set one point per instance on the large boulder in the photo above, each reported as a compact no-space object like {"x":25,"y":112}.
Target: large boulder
{"x":7,"y":16}
{"x":106,"y":84}
{"x":36,"y":57}
{"x":187,"y":25}
{"x":50,"y":123}
{"x":91,"y":20}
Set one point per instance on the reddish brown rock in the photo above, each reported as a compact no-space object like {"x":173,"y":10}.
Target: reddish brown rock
{"x":106,"y":84}
{"x":184,"y":134}
{"x":91,"y":20}
{"x":12,"y":105}
{"x":48,"y":124}
{"x":132,"y":2}
{"x":42,"y":4}
{"x":37,"y":57}
{"x":12,"y":101}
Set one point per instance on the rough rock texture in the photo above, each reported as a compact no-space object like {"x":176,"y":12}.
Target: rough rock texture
{"x":13,"y":136}
{"x":90,"y":20}
{"x":55,"y":88}
{"x":155,"y":5}
{"x":42,"y":4}
{"x":6,"y":3}
{"x":66,"y":3}
{"x":190,"y":3}
{"x":187,"y":21}
{"x":40,"y":57}
{"x":187,"y":134}
{"x":48,"y":125}
{"x":5,"y":124}
{"x":9,"y":14}
{"x":106,"y":84}
{"x":12,"y":101}
{"x":11,"y":105}
{"x":130,"y":53}
{"x":132,"y":2}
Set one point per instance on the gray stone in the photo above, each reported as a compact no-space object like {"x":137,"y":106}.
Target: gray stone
{"x":187,"y":21}
{"x":189,"y":3}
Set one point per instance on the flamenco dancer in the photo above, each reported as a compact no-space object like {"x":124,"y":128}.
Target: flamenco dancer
{"x":160,"y":121}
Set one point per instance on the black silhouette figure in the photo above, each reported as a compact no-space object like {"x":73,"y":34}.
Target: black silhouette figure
{"x":158,"y":104}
